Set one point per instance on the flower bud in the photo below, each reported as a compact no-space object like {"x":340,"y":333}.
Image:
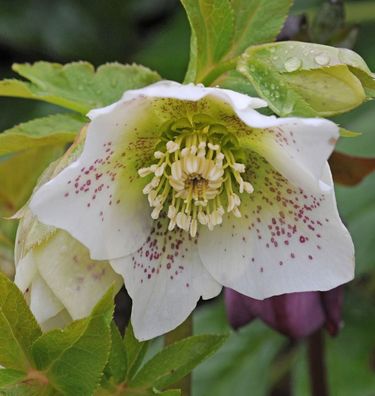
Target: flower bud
{"x":295,"y":315}
{"x":307,"y":79}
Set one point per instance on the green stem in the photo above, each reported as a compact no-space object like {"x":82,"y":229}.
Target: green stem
{"x":220,"y":69}
{"x":184,"y":330}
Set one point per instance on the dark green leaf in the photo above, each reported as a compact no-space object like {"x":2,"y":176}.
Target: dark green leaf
{"x":77,"y":86}
{"x":177,"y":360}
{"x":18,"y":328}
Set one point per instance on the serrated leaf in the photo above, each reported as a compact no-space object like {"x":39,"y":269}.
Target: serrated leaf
{"x":117,"y":362}
{"x":10,"y":377}
{"x":212,"y":29}
{"x":307,"y":79}
{"x":51,"y":130}
{"x":73,"y":359}
{"x":222,"y":29}
{"x":18,"y":328}
{"x":77,"y":86}
{"x":177,"y":360}
{"x":257,"y":22}
{"x":135,"y":351}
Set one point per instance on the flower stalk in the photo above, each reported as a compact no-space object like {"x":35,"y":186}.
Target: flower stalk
{"x":317,"y":365}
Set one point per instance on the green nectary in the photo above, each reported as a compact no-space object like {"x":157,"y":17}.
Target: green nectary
{"x":197,"y":174}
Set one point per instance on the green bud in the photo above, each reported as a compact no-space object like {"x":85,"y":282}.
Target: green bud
{"x":307,"y":79}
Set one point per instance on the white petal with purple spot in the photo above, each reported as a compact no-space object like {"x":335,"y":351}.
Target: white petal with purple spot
{"x":165,"y":279}
{"x":287,"y":241}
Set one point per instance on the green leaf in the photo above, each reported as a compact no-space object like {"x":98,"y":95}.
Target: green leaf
{"x":177,"y":360}
{"x":31,"y":389}
{"x":307,"y":79}
{"x":51,"y":130}
{"x":77,"y":86}
{"x":169,"y":392}
{"x":257,"y":22}
{"x":221,"y":30}
{"x":25,"y":168}
{"x":18,"y":328}
{"x":235,"y":81}
{"x":10,"y":377}
{"x":212,"y":29}
{"x":117,"y":362}
{"x":73,"y":359}
{"x":135,"y":351}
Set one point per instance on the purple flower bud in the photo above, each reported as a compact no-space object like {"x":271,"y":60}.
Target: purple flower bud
{"x":296,"y":315}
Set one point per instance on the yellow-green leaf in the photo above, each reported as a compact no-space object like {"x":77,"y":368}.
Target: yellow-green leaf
{"x":51,"y":130}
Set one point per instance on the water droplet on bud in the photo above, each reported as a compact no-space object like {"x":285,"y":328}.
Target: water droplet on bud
{"x":322,"y":59}
{"x":292,"y":64}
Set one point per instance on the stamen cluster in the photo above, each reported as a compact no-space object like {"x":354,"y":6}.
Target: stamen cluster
{"x":196,"y":178}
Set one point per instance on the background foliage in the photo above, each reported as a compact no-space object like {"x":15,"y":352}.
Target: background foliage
{"x":156,"y":34}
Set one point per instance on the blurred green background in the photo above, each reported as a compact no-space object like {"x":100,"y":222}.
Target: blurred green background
{"x":156,"y":33}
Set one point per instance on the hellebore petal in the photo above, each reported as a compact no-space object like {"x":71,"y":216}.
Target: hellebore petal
{"x":296,"y":315}
{"x":96,"y":198}
{"x":288,"y":240}
{"x":237,"y":199}
{"x":57,"y":275}
{"x":54,"y":271}
{"x":165,"y":279}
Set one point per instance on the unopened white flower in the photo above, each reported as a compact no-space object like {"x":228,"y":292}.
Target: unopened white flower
{"x":235,"y":198}
{"x":56,"y":274}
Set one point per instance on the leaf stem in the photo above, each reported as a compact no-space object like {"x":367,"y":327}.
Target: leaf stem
{"x":220,"y":69}
{"x":317,"y":366}
{"x":184,"y":330}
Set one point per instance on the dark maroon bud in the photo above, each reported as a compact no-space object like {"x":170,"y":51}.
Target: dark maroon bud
{"x":332,"y":301}
{"x":295,"y":315}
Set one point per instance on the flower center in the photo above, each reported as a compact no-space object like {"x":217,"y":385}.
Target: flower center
{"x":197,"y":175}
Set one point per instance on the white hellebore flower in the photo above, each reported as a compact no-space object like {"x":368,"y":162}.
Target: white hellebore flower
{"x":185,"y":189}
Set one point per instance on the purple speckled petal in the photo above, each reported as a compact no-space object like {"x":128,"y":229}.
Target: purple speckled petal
{"x":288,"y":240}
{"x":165,"y":279}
